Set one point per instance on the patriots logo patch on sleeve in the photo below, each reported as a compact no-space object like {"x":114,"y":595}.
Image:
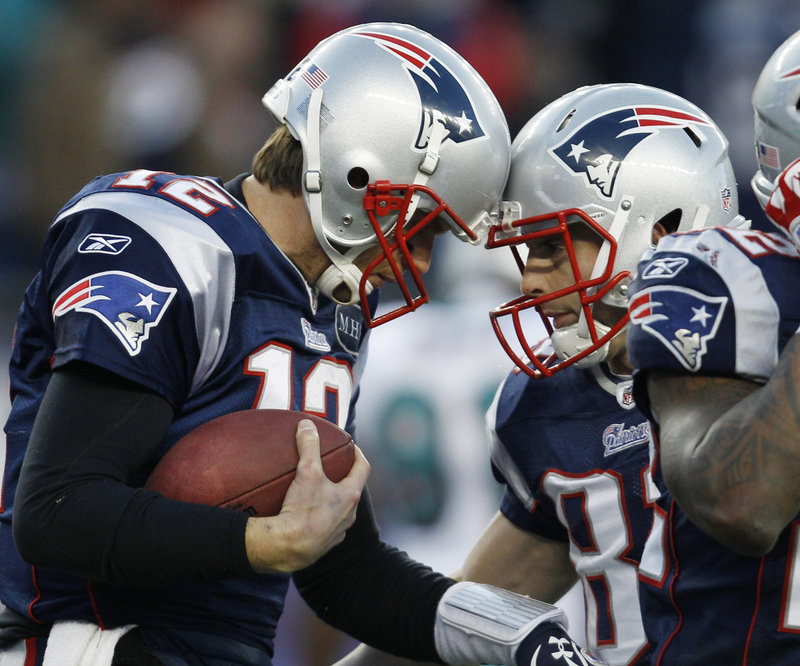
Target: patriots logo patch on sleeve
{"x":129,"y":305}
{"x":683,"y":320}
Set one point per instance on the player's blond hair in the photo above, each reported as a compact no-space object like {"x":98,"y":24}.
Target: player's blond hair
{"x":279,"y":162}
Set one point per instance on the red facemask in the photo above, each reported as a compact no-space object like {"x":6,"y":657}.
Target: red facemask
{"x":383,"y":198}
{"x":536,"y":358}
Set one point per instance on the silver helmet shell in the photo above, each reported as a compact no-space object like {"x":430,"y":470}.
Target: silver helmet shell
{"x":776,"y":106}
{"x":620,"y":158}
{"x":389,"y":104}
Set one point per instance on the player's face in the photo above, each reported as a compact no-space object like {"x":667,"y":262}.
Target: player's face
{"x":420,"y":246}
{"x":548,"y":269}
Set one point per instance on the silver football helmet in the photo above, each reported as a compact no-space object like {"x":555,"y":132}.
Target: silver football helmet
{"x":393,"y":122}
{"x":618,"y":158}
{"x":776,"y":103}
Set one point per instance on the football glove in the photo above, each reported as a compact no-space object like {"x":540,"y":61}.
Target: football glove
{"x":483,"y":624}
{"x":549,"y":645}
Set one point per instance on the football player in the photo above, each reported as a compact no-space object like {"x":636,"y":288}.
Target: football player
{"x":776,"y":106}
{"x":714,"y":317}
{"x":596,"y":178}
{"x":165,"y":300}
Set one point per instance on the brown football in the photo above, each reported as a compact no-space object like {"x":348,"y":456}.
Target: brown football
{"x":246,"y":460}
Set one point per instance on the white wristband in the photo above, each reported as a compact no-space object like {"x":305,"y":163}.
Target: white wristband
{"x":483,"y":624}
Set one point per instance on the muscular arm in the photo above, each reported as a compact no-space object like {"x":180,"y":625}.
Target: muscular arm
{"x":520,"y":561}
{"x":507,"y":557}
{"x":730,"y":451}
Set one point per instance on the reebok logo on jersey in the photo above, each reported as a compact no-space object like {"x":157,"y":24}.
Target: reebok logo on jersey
{"x":667,"y":267}
{"x":684,"y":324}
{"x":130,"y":306}
{"x":103,"y":244}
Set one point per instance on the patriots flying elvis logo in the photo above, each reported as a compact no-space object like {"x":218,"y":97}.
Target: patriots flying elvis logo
{"x":130,"y":306}
{"x":442,"y":96}
{"x":684,"y":322}
{"x":597,"y":148}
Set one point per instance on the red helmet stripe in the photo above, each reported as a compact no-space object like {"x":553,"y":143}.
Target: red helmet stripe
{"x":649,"y":116}
{"x":406,"y":50}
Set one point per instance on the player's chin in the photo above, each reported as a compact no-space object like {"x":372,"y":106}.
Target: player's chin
{"x":564,"y":319}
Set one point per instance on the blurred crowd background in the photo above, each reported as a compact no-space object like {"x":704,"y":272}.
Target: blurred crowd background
{"x":97,"y":86}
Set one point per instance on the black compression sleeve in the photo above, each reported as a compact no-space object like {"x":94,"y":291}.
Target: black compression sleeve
{"x":73,"y":510}
{"x":375,"y":592}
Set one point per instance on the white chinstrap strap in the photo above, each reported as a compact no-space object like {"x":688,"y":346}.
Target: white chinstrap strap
{"x":341,"y":272}
{"x":479,"y":624}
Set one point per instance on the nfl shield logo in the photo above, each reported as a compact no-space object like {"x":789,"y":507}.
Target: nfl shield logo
{"x":725,"y":194}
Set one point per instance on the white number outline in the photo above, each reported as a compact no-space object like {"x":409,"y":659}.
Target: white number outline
{"x":758,"y":244}
{"x":606,"y":516}
{"x":653,"y":569}
{"x":790,"y":605}
{"x":273,"y":363}
{"x":199,"y":195}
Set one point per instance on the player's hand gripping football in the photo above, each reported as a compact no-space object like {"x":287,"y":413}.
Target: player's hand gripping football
{"x":315,"y":515}
{"x":783,"y":207}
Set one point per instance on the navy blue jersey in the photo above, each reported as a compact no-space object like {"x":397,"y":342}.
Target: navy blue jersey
{"x":168,"y":281}
{"x":573,"y":450}
{"x":719,"y":302}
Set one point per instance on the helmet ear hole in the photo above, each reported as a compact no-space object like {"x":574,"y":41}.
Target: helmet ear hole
{"x":671,"y":221}
{"x":357,"y":178}
{"x":693,"y":136}
{"x":566,"y":120}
